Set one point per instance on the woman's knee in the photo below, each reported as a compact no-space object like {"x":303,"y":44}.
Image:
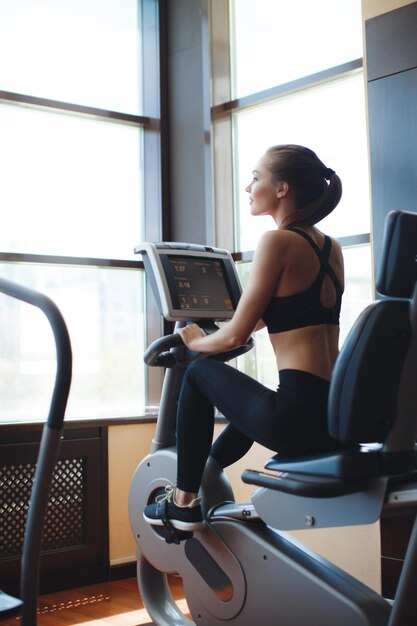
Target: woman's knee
{"x":196,"y":366}
{"x":203,"y":368}
{"x":194,"y":371}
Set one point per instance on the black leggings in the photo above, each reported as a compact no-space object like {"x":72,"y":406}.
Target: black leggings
{"x":291,"y":420}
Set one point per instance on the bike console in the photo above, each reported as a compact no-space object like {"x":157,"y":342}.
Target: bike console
{"x":191,"y":282}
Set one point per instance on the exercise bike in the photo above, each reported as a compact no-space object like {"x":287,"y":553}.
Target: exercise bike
{"x":243,"y":567}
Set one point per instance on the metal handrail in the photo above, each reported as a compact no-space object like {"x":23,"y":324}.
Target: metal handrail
{"x":49,"y":446}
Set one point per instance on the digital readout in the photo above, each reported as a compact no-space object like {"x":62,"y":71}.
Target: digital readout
{"x":200,"y":283}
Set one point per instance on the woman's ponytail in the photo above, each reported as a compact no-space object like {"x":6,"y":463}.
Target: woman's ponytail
{"x":317,"y":189}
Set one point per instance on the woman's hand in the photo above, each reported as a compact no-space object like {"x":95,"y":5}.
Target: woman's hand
{"x":191,"y":336}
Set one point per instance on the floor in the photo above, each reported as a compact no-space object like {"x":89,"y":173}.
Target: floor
{"x":116,"y":604}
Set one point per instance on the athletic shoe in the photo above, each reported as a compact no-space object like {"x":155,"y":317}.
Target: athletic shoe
{"x":164,"y":511}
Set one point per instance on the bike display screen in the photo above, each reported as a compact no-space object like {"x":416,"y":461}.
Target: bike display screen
{"x":190,"y":281}
{"x":198,"y":283}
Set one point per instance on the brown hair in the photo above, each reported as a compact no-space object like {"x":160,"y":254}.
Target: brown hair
{"x":307,"y":177}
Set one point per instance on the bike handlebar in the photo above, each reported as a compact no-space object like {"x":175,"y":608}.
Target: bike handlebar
{"x":158,"y":353}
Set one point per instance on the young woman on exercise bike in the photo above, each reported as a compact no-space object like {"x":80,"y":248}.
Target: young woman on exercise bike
{"x":295,"y":290}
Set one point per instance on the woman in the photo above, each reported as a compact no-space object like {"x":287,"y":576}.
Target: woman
{"x":295,"y":289}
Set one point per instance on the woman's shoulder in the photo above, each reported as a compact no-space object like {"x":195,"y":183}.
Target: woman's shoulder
{"x":336,"y":244}
{"x":287,"y":239}
{"x":273,"y":243}
{"x":276,"y":237}
{"x":283,"y":241}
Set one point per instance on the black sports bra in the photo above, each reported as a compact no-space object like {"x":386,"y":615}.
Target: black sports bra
{"x":305,"y":308}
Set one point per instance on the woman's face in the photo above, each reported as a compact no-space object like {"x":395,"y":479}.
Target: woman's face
{"x":262,"y":192}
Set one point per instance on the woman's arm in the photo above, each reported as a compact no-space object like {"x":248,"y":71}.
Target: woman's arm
{"x":267,"y":267}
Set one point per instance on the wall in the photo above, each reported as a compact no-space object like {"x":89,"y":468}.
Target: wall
{"x":128,"y":445}
{"x":371,"y":8}
{"x":391,"y":70}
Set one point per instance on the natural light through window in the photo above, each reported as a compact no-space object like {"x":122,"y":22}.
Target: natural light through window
{"x":278,"y":42}
{"x":103,"y":310}
{"x":71,"y":186}
{"x":329,"y":119}
{"x":72,"y":170}
{"x":84,"y":51}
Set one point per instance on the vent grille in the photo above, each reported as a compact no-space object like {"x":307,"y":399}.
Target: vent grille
{"x":65,"y":520}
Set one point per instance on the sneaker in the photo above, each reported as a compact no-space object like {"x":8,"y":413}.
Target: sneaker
{"x":164,"y":511}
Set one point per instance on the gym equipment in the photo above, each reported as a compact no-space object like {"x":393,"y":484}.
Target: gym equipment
{"x":243,"y":567}
{"x":26,"y":605}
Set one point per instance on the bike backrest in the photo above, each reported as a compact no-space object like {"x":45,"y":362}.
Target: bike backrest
{"x":367,"y":390}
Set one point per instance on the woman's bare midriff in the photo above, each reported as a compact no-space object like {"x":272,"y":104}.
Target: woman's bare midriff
{"x":311,"y":349}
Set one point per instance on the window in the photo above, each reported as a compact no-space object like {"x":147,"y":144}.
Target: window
{"x":83,"y":52}
{"x":103,"y":309}
{"x":279,"y":79}
{"x":74,"y":117}
{"x":274,"y":43}
{"x":329,"y":117}
{"x":70,"y":185}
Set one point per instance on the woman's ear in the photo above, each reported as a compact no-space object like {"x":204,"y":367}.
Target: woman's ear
{"x":282,"y":189}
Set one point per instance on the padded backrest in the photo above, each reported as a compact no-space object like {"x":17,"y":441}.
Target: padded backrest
{"x":397,"y":274}
{"x":366,"y":377}
{"x":363,"y":396}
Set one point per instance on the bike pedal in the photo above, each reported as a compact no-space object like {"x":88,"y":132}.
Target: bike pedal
{"x":172,"y":535}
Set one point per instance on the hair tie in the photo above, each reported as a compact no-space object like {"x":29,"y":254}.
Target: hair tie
{"x":328,"y":173}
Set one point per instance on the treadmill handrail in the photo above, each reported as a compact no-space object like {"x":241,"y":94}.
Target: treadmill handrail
{"x":49,"y":446}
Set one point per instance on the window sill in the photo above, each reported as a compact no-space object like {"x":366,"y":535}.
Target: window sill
{"x":22,"y":425}
{"x":27,"y":425}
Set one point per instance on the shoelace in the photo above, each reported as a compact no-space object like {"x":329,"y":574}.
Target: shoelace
{"x":168,"y":495}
